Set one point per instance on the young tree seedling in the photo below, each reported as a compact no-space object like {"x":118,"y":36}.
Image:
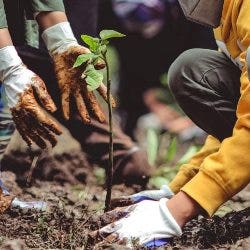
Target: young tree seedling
{"x":93,"y":78}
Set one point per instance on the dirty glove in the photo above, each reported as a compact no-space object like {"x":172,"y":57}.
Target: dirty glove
{"x":20,"y":85}
{"x":5,"y":201}
{"x":64,"y":49}
{"x":148,"y":223}
{"x":164,"y":192}
{"x":8,"y":201}
{"x":35,"y":205}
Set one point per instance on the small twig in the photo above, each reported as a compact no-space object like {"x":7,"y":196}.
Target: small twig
{"x":34,"y":158}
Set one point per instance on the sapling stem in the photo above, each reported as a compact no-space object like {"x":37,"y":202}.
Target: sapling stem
{"x":110,"y":170}
{"x":98,"y":48}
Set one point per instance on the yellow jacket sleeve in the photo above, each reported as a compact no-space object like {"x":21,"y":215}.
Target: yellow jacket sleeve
{"x":226,"y":172}
{"x":190,"y":169}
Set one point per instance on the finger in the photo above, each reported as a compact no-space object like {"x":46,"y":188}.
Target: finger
{"x":78,"y":50}
{"x":113,"y":216}
{"x":112,"y":238}
{"x":82,"y":107}
{"x":121,"y":202}
{"x":35,"y":137}
{"x":65,"y":102}
{"x":100,"y":65}
{"x":94,"y":106}
{"x":20,"y":125}
{"x":123,"y":241}
{"x":30,"y":129}
{"x":103,"y":92}
{"x":5,"y":201}
{"x":43,"y":95}
{"x":116,"y":214}
{"x":52,"y":126}
{"x":22,"y":132}
{"x":34,"y":122}
{"x":47,"y":122}
{"x":109,"y":229}
{"x":47,"y":135}
{"x":64,"y":79}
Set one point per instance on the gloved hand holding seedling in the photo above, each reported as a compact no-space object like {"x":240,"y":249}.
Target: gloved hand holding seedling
{"x":77,"y":81}
{"x":85,"y":73}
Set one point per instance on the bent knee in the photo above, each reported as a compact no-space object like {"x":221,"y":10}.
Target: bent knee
{"x":182,"y":69}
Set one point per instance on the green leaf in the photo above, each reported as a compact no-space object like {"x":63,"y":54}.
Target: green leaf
{"x":107,"y":34}
{"x":103,"y":48}
{"x":158,"y":181}
{"x":171,"y":150}
{"x":82,"y":59}
{"x":93,"y":77}
{"x":189,"y":153}
{"x":105,"y":42}
{"x":152,"y":145}
{"x":92,"y":42}
{"x":99,"y":173}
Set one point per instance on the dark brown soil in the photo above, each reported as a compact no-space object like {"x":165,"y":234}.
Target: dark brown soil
{"x":76,"y":205}
{"x":210,"y":233}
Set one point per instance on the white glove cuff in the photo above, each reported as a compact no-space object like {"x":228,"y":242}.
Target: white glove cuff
{"x":168,"y":217}
{"x":167,"y":192}
{"x":9,"y":59}
{"x":58,"y":38}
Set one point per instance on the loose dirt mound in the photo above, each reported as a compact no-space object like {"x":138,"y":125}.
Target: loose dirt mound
{"x":66,"y":163}
{"x":75,"y":210}
{"x":75,"y":199}
{"x":216,"y":232}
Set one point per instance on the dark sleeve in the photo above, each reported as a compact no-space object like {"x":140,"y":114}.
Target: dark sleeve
{"x":200,"y":36}
{"x":82,"y":15}
{"x":47,"y":5}
{"x":3,"y":21}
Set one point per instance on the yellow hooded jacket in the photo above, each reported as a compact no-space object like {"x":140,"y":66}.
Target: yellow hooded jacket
{"x":220,"y":170}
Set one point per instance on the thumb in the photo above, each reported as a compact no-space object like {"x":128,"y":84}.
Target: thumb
{"x":42,"y":93}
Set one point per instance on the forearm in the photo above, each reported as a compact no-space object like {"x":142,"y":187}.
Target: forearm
{"x":5,"y":39}
{"x":48,"y":13}
{"x":48,"y":19}
{"x":183,"y":208}
{"x":3,"y":21}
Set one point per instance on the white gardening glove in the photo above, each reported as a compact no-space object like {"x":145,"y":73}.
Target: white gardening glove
{"x":59,"y":38}
{"x":20,"y":84}
{"x":64,"y":49}
{"x":164,"y":192}
{"x":148,"y":223}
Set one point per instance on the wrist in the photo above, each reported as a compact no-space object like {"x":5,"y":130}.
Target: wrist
{"x":5,"y":39}
{"x":58,"y":38}
{"x":48,"y":19}
{"x":169,"y":217}
{"x":9,"y":61}
{"x":183,"y":208}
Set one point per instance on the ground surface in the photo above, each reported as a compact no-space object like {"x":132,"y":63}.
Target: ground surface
{"x":75,"y":209}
